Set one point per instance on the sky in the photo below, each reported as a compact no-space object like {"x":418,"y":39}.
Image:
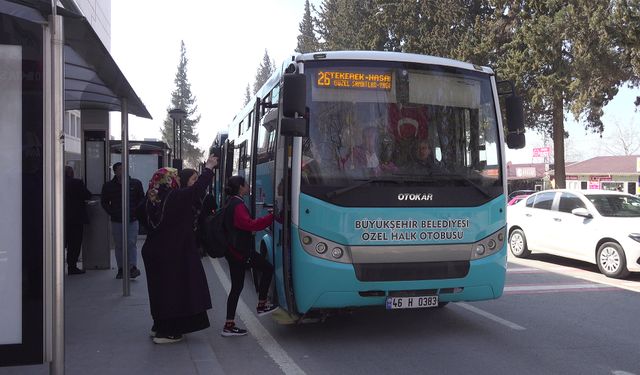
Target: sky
{"x":225,"y":43}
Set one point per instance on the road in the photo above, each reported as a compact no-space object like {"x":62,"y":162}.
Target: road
{"x":556,"y":317}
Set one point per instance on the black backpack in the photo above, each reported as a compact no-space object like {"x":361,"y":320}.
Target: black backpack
{"x":217,"y":235}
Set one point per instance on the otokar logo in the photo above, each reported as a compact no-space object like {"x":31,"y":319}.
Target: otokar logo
{"x":415,"y":197}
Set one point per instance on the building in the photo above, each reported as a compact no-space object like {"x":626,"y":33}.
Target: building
{"x":606,"y":173}
{"x":529,"y":176}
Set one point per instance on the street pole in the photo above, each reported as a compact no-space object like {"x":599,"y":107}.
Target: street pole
{"x":177,"y":115}
{"x":54,"y":173}
{"x":124,"y":112}
{"x":181,"y":139}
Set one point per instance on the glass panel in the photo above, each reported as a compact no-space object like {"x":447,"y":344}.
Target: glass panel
{"x":569,"y":202}
{"x":21,"y":222}
{"x":67,"y":116}
{"x":616,"y":205}
{"x":417,"y":125}
{"x":544,"y":201}
{"x":94,"y":161}
{"x":11,"y":197}
{"x":530,"y":201}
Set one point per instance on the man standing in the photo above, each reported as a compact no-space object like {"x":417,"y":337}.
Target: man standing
{"x":111,"y":201}
{"x":75,"y":216}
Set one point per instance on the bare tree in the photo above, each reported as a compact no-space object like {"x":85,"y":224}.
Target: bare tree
{"x":623,"y":139}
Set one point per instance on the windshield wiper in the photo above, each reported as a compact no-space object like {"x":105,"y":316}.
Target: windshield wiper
{"x":465,"y":179}
{"x":438,"y":175}
{"x":361,"y":183}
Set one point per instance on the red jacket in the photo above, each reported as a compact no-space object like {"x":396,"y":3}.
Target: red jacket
{"x":244,"y":225}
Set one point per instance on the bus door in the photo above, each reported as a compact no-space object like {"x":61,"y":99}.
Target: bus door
{"x":226,"y":170}
{"x":282,"y":227}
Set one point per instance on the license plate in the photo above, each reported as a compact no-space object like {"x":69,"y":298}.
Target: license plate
{"x":411,"y":302}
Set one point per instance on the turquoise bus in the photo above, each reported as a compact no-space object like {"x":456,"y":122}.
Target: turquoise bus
{"x":387,"y":173}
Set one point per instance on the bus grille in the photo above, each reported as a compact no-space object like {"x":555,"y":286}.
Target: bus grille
{"x":411,"y":271}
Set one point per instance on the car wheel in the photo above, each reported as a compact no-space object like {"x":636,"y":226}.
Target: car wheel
{"x":518,"y":244}
{"x":612,"y":261}
{"x":442,"y":304}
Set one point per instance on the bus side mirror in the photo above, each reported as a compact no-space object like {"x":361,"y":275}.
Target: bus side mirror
{"x":294,"y":106}
{"x":515,"y":122}
{"x":294,"y":95}
{"x":295,"y":127}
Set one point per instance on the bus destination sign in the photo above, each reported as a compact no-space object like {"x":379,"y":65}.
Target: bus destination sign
{"x":354,"y":80}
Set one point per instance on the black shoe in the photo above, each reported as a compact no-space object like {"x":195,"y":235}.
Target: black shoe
{"x":134,"y":272}
{"x":166,"y":339}
{"x":231,"y":330}
{"x":119,"y":275}
{"x":73,"y":270}
{"x":266,"y":308}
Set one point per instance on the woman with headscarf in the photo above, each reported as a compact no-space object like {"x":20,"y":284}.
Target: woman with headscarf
{"x":178,"y":291}
{"x":202,"y":209}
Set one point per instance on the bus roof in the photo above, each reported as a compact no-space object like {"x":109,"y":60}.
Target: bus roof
{"x":390,"y":56}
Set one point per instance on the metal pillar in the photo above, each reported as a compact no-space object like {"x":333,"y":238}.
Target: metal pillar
{"x":54,"y":160}
{"x":124,"y":112}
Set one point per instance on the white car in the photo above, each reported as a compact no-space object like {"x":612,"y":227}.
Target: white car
{"x":596,"y":226}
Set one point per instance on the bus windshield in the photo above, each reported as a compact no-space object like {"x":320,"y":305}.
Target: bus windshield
{"x":381,"y":125}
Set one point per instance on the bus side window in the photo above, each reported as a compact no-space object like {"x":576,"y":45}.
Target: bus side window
{"x":265,"y":153}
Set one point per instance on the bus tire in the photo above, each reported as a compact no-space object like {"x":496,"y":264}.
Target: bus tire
{"x":518,"y":244}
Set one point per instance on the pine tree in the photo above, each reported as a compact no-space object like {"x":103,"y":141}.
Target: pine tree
{"x":182,"y":98}
{"x":351,"y":25}
{"x":307,"y":41}
{"x":626,"y":14}
{"x":266,"y":68}
{"x":247,"y":95}
{"x":564,"y":56}
{"x":445,"y":28}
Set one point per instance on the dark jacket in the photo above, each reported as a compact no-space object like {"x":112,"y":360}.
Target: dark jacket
{"x":111,"y":198}
{"x":75,"y":195}
{"x":175,"y":277}
{"x":243,"y":226}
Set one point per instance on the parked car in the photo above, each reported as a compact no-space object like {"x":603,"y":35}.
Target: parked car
{"x":517,"y":199}
{"x":515,"y":193}
{"x":596,"y":226}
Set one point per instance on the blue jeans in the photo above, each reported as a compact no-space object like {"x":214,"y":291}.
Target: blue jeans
{"x":132,"y":237}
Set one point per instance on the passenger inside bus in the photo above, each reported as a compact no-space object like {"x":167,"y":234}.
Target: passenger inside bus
{"x":319,"y":157}
{"x":423,"y":158}
{"x":364,"y":158}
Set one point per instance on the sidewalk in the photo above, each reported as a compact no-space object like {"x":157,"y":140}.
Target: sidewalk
{"x":107,"y":333}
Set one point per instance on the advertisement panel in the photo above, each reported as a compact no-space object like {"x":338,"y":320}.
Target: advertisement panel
{"x":11,"y":197}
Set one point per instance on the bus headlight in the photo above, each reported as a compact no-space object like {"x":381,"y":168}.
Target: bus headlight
{"x":337,"y":252}
{"x":488,"y":245}
{"x":321,"y":248}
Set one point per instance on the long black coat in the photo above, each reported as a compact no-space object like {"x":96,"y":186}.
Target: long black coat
{"x":75,"y":195}
{"x":175,"y":277}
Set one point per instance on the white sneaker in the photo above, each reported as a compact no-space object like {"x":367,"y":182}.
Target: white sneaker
{"x":167,"y":339}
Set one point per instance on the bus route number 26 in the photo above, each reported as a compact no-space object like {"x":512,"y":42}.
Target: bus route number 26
{"x":324,"y":79}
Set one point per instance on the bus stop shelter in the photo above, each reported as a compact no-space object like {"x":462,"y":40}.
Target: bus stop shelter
{"x":51,"y":60}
